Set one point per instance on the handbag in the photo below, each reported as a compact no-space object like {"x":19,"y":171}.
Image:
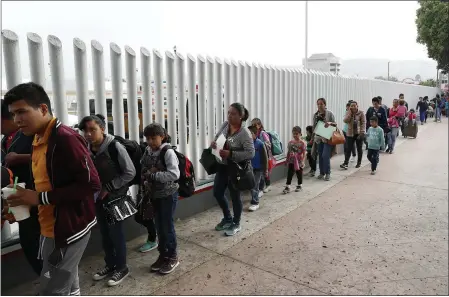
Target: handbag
{"x":209,"y":161}
{"x":336,"y":138}
{"x":119,"y":209}
{"x":241,"y":175}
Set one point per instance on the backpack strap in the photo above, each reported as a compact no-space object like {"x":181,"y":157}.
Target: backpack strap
{"x":162,"y":154}
{"x":113,"y":153}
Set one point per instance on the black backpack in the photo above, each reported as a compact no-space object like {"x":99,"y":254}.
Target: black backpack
{"x":186,"y":179}
{"x":134,"y":151}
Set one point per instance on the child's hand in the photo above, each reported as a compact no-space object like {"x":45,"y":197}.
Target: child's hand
{"x":153,"y":170}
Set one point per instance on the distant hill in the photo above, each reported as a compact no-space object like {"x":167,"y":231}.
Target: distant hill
{"x":379,"y":67}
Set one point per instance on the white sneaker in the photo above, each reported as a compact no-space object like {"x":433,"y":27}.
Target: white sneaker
{"x":253,"y":207}
{"x":260,"y":194}
{"x":352,"y":159}
{"x":267,"y":189}
{"x":373,"y":172}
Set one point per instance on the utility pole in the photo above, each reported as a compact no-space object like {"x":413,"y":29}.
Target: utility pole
{"x":306,"y":33}
{"x":388,"y":71}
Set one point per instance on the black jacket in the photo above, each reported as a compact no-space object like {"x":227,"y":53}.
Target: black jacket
{"x":381,"y":115}
{"x":21,"y":144}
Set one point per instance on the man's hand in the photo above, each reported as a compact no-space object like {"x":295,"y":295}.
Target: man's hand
{"x":224,"y":154}
{"x":23,"y":197}
{"x":11,"y":159}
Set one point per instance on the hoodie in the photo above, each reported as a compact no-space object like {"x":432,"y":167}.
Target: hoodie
{"x":114,"y":177}
{"x":356,"y":123}
{"x":375,"y":138}
{"x":162,"y":183}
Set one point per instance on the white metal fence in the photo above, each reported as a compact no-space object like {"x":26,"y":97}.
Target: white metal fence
{"x":280,"y":97}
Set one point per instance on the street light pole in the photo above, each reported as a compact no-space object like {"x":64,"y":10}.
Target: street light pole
{"x":306,"y":33}
{"x":388,"y":71}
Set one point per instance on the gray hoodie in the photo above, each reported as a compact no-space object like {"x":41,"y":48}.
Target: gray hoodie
{"x":241,"y":143}
{"x":162,"y":183}
{"x":114,"y":178}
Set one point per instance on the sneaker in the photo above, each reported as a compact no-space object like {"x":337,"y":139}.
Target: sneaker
{"x":390,"y":152}
{"x":286,"y":190}
{"x":344,"y":166}
{"x":169,"y":265}
{"x":267,"y":189}
{"x":373,"y":172}
{"x":327,"y":177}
{"x":118,"y":277}
{"x":311,"y":173}
{"x":321,"y":176}
{"x":107,"y":271}
{"x":253,"y":207}
{"x":148,"y":246}
{"x":156,"y":266}
{"x":233,"y":229}
{"x":260,"y":194}
{"x":358,"y":165}
{"x":224,"y":224}
{"x":352,"y":159}
{"x":298,"y":188}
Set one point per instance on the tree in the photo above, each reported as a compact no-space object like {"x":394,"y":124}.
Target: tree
{"x":392,"y":78}
{"x":429,"y":83}
{"x":432,"y":22}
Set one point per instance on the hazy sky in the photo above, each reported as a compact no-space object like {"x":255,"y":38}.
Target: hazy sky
{"x":262,"y":32}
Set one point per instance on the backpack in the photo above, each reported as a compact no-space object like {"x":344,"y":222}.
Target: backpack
{"x":186,"y":179}
{"x":276,"y":144}
{"x":134,"y":151}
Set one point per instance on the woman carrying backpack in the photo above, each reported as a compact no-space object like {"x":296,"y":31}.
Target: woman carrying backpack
{"x":115,"y":176}
{"x":239,"y":147}
{"x":265,"y":138}
{"x":160,"y":171}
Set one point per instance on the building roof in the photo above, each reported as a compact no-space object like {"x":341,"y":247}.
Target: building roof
{"x":322,"y":56}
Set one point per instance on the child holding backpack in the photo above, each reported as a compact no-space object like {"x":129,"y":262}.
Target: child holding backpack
{"x":160,"y":173}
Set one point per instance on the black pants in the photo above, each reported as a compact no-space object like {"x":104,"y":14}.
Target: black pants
{"x":29,"y":233}
{"x":312,"y":161}
{"x":345,"y":146}
{"x":373,"y":157}
{"x":151,"y":228}
{"x":358,"y":143}
{"x":113,"y":239}
{"x":291,"y":170}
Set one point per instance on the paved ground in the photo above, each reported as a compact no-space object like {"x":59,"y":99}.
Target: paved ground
{"x":355,"y":235}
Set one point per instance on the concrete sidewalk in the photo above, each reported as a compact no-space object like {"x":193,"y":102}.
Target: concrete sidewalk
{"x":354,"y":235}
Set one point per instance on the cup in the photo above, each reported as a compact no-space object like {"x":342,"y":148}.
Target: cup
{"x":21,"y":212}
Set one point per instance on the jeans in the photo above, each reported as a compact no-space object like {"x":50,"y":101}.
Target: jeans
{"x":164,"y":210}
{"x":437,"y":114}
{"x":151,"y":229}
{"x":324,"y":158}
{"x":358,"y":142}
{"x":373,"y":157}
{"x":113,"y":240}
{"x":221,"y":183}
{"x":312,"y":161}
{"x":258,"y":177}
{"x":264,"y":182}
{"x":345,"y":145}
{"x":392,"y":138}
{"x":290,"y":172}
{"x":422,"y":115}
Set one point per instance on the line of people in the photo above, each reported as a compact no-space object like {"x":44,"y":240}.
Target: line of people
{"x":78,"y":181}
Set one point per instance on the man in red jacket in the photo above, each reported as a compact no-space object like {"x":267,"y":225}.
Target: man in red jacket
{"x":65,"y":185}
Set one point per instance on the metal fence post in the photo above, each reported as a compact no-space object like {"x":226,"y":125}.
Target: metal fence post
{"x":132,"y":100}
{"x":117,"y":90}
{"x":36,"y":57}
{"x":99,"y":80}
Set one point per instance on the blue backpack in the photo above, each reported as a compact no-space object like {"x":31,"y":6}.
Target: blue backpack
{"x":276,"y":144}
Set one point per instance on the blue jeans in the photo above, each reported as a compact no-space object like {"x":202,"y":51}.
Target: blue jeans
{"x":392,"y":137}
{"x":324,"y":158}
{"x":221,"y":183}
{"x":113,"y":240}
{"x":437,"y":114}
{"x":164,"y":210}
{"x":422,"y":115}
{"x":258,"y":176}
